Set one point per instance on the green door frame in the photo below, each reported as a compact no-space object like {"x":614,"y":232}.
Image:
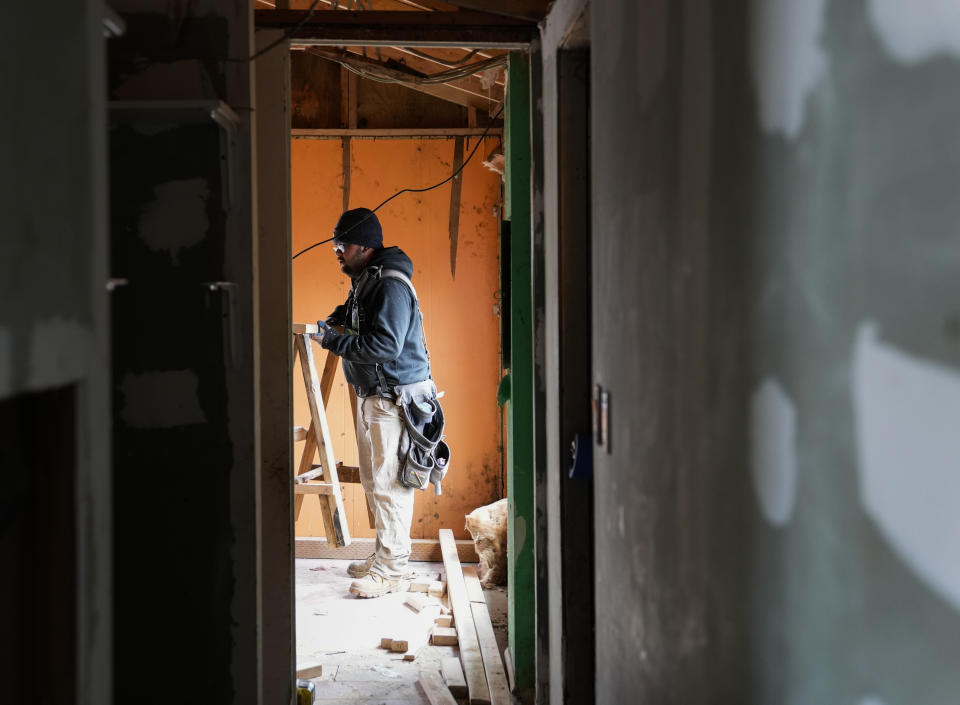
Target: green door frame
{"x":520,"y":407}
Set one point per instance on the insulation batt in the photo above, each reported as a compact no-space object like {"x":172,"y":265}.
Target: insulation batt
{"x":488,"y":528}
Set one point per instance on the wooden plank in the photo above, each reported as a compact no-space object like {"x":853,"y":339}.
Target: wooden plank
{"x":474,"y":589}
{"x":306,"y":465}
{"x":462,"y":29}
{"x":453,"y":676}
{"x":345,"y":473}
{"x":437,"y":693}
{"x":422,"y":550}
{"x":445,"y":636}
{"x":470,"y":654}
{"x":304,"y":328}
{"x":397,"y":132}
{"x":339,"y":533}
{"x":492,"y":665}
{"x":309,"y":670}
{"x":508,"y":662}
{"x":326,"y":379}
{"x":324,"y":488}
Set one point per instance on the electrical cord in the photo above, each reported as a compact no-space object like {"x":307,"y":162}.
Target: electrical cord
{"x":412,"y":190}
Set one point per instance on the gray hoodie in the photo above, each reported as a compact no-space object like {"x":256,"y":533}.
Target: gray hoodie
{"x":382,"y":327}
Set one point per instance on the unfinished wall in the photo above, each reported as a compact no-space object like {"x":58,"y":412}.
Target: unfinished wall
{"x":776,"y":508}
{"x":456,"y":280}
{"x":186,"y":480}
{"x":53,"y":316}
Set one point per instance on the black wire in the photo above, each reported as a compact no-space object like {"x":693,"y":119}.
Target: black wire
{"x":411,"y":190}
{"x":286,"y":35}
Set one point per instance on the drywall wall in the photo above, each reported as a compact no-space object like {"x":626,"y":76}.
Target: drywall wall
{"x":53,"y":270}
{"x":185,"y":347}
{"x":775,"y":317}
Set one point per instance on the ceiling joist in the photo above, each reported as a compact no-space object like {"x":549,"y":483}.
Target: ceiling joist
{"x":392,"y":28}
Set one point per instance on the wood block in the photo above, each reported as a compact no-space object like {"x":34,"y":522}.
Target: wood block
{"x":299,"y":433}
{"x":453,"y":676}
{"x":470,"y":655}
{"x":409,"y":656}
{"x":420,"y":585}
{"x":437,"y":693}
{"x":399,"y":646}
{"x":492,"y":665}
{"x":444,"y":620}
{"x":305,"y":328}
{"x":415,"y":602}
{"x":444,"y":636}
{"x":309,"y":670}
{"x":386,"y":642}
{"x":436,"y":589}
{"x":474,"y":589}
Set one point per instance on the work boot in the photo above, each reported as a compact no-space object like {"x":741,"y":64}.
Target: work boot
{"x":375,"y":585}
{"x":359,"y":569}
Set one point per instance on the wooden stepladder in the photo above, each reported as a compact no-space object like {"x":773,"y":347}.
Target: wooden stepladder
{"x":318,"y":442}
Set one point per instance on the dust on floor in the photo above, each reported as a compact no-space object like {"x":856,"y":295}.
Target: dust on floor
{"x":343,"y":633}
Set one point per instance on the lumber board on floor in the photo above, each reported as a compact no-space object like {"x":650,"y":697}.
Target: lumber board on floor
{"x":492,"y":664}
{"x":453,"y":676}
{"x":422,"y":550}
{"x":437,"y":693}
{"x":474,"y":589}
{"x":470,"y":654}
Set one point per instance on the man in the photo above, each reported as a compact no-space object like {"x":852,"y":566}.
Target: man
{"x":384,"y":359}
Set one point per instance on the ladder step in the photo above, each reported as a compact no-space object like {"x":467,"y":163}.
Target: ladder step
{"x":313,"y":488}
{"x":345,"y":473}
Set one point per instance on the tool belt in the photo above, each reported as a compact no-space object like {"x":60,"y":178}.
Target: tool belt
{"x":424,"y":457}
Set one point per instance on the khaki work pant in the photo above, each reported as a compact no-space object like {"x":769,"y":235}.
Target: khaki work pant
{"x":379,"y":427}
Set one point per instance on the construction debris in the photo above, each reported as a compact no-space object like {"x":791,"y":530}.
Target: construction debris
{"x":488,"y":527}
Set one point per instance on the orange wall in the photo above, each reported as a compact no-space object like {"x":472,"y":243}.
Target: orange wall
{"x":461,"y":323}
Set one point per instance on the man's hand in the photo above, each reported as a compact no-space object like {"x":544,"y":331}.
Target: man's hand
{"x":325,"y":331}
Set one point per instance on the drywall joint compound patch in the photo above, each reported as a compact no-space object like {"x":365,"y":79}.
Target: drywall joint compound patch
{"x":917,"y":30}
{"x":773,"y":451}
{"x":908,"y":456}
{"x":787,"y":60}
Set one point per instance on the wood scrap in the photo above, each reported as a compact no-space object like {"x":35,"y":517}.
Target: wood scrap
{"x":309,"y":670}
{"x":437,"y":693}
{"x":415,"y":602}
{"x":474,"y":590}
{"x":470,"y":655}
{"x":420,"y":585}
{"x":444,"y":620}
{"x":437,"y":589}
{"x":453,"y":676}
{"x":508,"y":662}
{"x":444,"y":636}
{"x":492,"y":665}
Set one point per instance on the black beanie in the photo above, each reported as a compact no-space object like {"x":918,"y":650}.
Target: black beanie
{"x":359,"y":226}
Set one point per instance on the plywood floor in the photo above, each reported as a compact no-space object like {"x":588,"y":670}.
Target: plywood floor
{"x":343,"y":633}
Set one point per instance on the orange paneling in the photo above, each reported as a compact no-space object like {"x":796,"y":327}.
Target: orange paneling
{"x":460,"y":316}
